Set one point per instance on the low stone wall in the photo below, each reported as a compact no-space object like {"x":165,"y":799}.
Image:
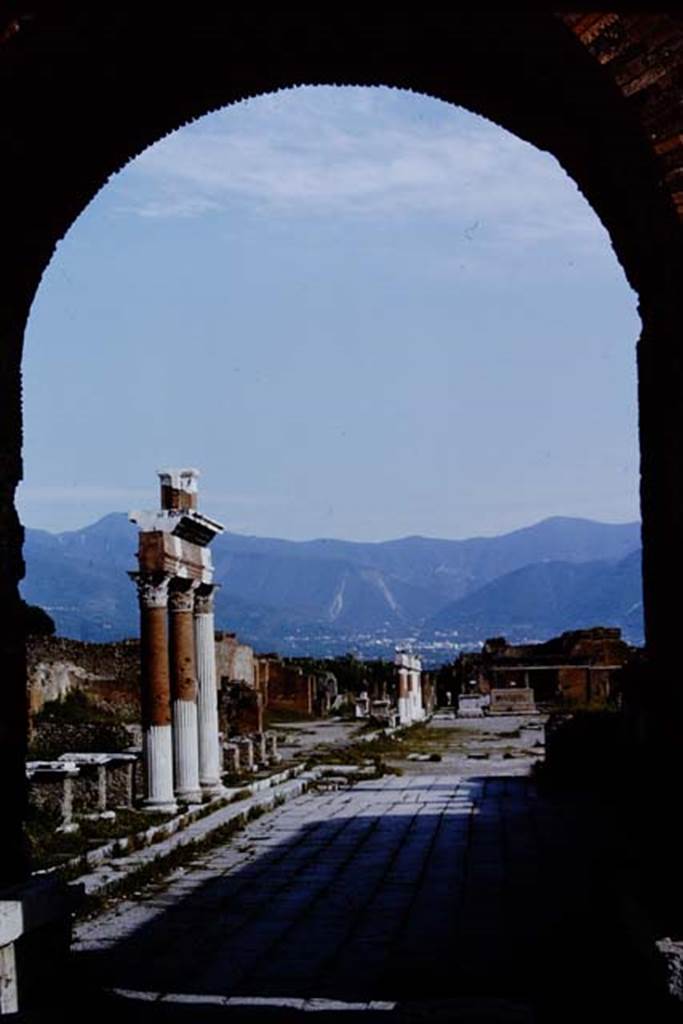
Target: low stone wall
{"x":52,"y":738}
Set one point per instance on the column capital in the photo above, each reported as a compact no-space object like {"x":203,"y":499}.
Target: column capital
{"x":152,"y":589}
{"x":204,"y":598}
{"x":181,"y":594}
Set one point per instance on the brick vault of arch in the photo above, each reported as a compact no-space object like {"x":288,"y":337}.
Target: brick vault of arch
{"x":88,"y":87}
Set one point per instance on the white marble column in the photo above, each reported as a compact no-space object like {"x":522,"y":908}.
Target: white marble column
{"x":418,"y":709}
{"x":157,"y":744}
{"x":207,"y":699}
{"x":404,"y":703}
{"x":184,"y":691}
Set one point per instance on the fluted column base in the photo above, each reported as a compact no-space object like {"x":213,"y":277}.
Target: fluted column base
{"x":185,"y":752}
{"x":207,"y":699}
{"x":158,"y":761}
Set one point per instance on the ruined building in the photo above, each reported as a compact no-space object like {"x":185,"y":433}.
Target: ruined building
{"x":580,"y":666}
{"x":409,"y":672}
{"x":600,"y":91}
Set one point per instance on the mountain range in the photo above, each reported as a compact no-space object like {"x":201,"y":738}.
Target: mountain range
{"x":328,"y":596}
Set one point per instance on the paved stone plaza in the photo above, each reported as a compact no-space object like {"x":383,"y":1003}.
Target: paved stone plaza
{"x":464,"y":897}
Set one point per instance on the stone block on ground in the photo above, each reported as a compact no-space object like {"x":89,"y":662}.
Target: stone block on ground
{"x":471,"y":706}
{"x":512,"y":701}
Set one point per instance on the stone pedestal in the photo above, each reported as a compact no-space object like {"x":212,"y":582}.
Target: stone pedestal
{"x":231,"y":758}
{"x":246,"y":752}
{"x":258,"y":740}
{"x":51,"y":789}
{"x":184,"y":692}
{"x":207,"y":700}
{"x":271,"y":747}
{"x":512,"y":701}
{"x":471,"y":705}
{"x":120,"y":781}
{"x":156,"y":694}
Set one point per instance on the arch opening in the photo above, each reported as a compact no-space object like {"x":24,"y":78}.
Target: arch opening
{"x":457,"y":368}
{"x":550,"y":80}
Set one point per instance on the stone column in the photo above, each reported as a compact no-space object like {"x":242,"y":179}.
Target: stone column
{"x":418,"y":711}
{"x":184,"y":691}
{"x":155,"y":692}
{"x":404,"y":716}
{"x":207,"y":701}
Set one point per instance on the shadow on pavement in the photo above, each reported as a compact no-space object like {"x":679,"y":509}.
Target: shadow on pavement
{"x":501,"y":911}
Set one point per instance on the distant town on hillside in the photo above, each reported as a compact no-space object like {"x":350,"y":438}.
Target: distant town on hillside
{"x":326,"y":597}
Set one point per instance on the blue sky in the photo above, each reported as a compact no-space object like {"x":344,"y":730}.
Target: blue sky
{"x":361,"y":313}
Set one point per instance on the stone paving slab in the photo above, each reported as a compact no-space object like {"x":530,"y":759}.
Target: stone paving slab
{"x":110,"y":873}
{"x":429,"y":895}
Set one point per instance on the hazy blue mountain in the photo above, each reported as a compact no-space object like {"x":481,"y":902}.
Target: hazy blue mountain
{"x":545,"y":598}
{"x":271,"y":588}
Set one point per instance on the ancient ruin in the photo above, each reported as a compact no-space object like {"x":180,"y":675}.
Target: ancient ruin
{"x":409,"y":671}
{"x":598,"y":90}
{"x":580,"y":666}
{"x":178,"y":660}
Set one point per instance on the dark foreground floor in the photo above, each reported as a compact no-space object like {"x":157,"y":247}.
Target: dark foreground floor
{"x":418,"y":897}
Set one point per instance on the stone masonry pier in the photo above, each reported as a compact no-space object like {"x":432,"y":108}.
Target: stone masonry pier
{"x":430,"y":894}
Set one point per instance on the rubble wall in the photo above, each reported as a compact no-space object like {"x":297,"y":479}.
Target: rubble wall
{"x":110,"y":673}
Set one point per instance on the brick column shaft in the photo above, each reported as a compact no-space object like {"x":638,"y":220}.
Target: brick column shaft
{"x":184,"y":692}
{"x":155,"y":693}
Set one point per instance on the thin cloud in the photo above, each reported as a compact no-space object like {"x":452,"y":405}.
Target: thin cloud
{"x":359,"y":152}
{"x":79,"y":493}
{"x":140,"y":496}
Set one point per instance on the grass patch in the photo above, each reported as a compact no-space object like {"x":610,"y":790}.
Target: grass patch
{"x":160,"y":867}
{"x":50,"y":848}
{"x":420,"y":738}
{"x":157,"y":869}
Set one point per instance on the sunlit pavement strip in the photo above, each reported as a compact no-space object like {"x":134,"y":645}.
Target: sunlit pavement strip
{"x":277,"y":1002}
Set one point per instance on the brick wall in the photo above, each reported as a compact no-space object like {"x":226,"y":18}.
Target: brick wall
{"x":289,"y":689}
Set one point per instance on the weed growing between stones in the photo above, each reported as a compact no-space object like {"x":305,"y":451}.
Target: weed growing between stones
{"x":164,"y":864}
{"x":51,"y":848}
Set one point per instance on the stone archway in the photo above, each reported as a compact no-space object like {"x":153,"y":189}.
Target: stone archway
{"x":87,"y":89}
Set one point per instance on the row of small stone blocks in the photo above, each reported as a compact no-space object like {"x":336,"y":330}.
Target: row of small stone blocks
{"x":82,"y":783}
{"x":245,"y":753}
